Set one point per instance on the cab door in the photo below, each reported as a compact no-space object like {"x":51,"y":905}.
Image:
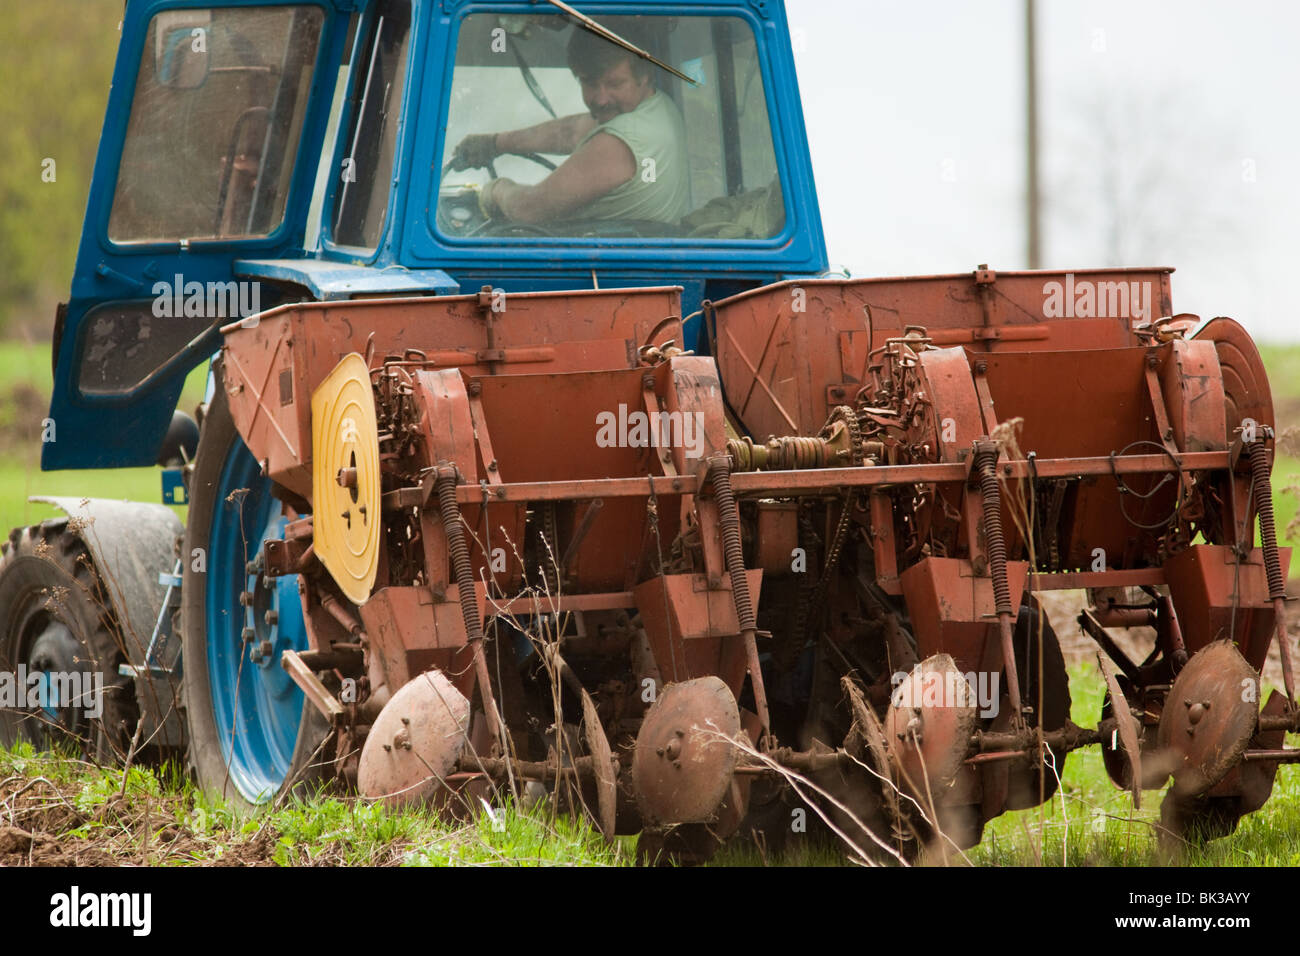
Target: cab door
{"x":210,"y":147}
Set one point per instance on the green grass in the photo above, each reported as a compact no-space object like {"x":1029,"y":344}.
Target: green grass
{"x":88,"y":815}
{"x":1091,"y":822}
{"x":25,"y":363}
{"x":24,"y":399}
{"x":19,"y":481}
{"x":158,"y":817}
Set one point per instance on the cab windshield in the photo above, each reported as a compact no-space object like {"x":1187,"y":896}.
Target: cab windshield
{"x":553,"y":130}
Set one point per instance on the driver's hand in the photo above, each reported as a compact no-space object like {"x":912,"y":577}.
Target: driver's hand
{"x":475,"y":151}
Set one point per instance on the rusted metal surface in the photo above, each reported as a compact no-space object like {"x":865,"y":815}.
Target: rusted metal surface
{"x":603,"y":771}
{"x":832,"y":480}
{"x":311,"y":685}
{"x":779,"y":349}
{"x":953,"y":607}
{"x":896,"y":465}
{"x":1210,"y":717}
{"x":415,"y":742}
{"x":1258,"y":769}
{"x":684,"y":763}
{"x":1126,"y":731}
{"x":1215,"y":591}
{"x":928,"y":728}
{"x":692,"y":626}
{"x":986,"y":459}
{"x":1246,"y":392}
{"x":273,"y":363}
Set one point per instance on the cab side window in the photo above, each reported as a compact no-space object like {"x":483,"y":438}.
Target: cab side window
{"x":217,"y":114}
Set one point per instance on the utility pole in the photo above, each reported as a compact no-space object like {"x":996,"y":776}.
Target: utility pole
{"x":1034,"y":250}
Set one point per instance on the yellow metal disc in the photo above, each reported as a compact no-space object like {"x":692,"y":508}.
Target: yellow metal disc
{"x":345,"y":441}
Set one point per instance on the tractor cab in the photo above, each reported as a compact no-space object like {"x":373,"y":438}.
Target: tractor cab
{"x":257,"y":153}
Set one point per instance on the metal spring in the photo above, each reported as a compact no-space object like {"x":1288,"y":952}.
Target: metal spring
{"x":460,"y":563}
{"x":779,"y":454}
{"x":994,"y":542}
{"x":1259,"y":468}
{"x":728,"y":515}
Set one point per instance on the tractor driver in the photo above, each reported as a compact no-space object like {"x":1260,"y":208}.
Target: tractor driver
{"x":627,"y":156}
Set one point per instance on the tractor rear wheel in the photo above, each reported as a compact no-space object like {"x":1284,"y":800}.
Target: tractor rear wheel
{"x":57,"y":628}
{"x":252,"y":734}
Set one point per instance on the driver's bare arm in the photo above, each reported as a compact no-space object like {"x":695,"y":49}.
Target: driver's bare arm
{"x":558,"y":136}
{"x":602,"y":164}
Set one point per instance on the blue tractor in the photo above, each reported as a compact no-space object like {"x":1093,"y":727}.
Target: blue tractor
{"x":262,"y":153}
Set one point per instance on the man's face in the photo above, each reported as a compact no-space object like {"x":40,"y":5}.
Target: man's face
{"x":619,"y":90}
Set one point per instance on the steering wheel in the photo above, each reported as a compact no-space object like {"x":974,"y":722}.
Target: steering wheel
{"x":459,"y":214}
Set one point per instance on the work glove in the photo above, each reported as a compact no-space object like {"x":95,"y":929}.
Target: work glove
{"x":475,"y":151}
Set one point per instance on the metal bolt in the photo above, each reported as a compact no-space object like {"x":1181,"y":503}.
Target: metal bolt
{"x":248,"y":634}
{"x":347,"y":478}
{"x":246,"y":598}
{"x":264,"y":649}
{"x":271,"y":618}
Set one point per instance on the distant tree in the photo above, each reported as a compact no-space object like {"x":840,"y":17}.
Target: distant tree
{"x":55,"y":74}
{"x":1137,"y":175}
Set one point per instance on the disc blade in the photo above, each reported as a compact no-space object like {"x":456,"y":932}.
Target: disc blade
{"x":415,"y":742}
{"x":1209,"y":717}
{"x":684,"y":761}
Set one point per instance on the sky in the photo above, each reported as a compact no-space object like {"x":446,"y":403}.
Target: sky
{"x":1169,"y":137}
